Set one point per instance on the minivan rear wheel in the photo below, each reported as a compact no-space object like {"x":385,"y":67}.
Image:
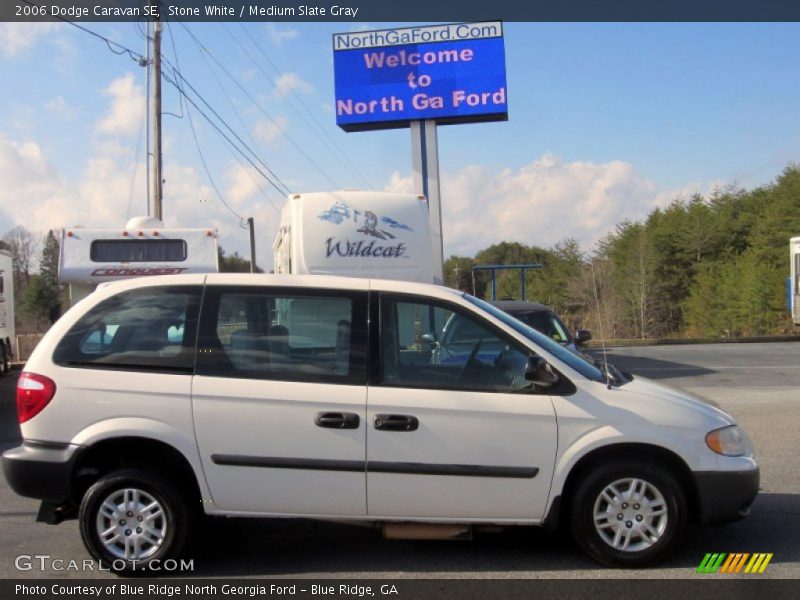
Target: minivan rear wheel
{"x":629,"y":513}
{"x":132,"y":517}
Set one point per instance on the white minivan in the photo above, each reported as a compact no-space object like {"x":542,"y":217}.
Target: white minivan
{"x":156,"y":399}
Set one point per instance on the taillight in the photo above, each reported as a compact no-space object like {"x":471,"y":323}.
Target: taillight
{"x":34,"y":392}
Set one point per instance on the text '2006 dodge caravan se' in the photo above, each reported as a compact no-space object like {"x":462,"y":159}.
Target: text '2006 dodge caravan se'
{"x":333,"y":398}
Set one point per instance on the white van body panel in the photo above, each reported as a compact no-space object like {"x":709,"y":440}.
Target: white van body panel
{"x":379,"y":235}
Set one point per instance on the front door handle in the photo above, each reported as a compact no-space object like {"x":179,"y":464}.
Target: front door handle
{"x":337,"y":420}
{"x":396,"y":422}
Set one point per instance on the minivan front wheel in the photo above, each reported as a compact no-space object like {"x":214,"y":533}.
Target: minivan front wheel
{"x":132,"y":517}
{"x":629,"y":513}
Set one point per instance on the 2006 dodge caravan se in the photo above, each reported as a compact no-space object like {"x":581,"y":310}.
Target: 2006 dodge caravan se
{"x":155,"y":399}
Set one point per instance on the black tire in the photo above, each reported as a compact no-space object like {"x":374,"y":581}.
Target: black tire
{"x":650,"y":538}
{"x":171,"y":523}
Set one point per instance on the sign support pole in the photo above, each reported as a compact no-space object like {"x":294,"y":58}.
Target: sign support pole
{"x":425,"y":165}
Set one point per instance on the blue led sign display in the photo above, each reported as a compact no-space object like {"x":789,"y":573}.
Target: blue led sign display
{"x":451,"y":73}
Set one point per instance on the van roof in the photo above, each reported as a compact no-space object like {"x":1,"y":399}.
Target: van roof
{"x":307,"y":281}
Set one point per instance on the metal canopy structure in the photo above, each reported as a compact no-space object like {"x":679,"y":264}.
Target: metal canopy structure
{"x":523,"y":269}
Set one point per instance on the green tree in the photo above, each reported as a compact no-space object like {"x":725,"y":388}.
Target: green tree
{"x":235,"y":263}
{"x":458,"y":273}
{"x":37,"y":304}
{"x":48,"y":269}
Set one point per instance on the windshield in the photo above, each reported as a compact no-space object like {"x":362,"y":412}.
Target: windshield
{"x":580,"y":364}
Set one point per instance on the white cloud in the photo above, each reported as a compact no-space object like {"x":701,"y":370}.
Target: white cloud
{"x":33,"y":193}
{"x":541,"y":203}
{"x":125,"y":111}
{"x":16,"y":38}
{"x":269,"y":130}
{"x":61,"y":108}
{"x":277,"y":35}
{"x":292,"y":82}
{"x":242,"y":184}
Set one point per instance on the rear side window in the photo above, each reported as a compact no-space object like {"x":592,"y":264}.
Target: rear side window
{"x":290,"y":335}
{"x":150,"y":329}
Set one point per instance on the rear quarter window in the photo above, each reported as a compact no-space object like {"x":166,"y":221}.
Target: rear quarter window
{"x":147,"y":329}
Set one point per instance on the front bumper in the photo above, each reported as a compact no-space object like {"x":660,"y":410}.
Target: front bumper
{"x":725,"y":496}
{"x":41,"y":470}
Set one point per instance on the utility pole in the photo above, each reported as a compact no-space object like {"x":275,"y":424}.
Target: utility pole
{"x":158,"y":194}
{"x":149,"y":80}
{"x":251,"y":227}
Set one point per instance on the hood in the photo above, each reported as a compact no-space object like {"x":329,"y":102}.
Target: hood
{"x":673,"y":404}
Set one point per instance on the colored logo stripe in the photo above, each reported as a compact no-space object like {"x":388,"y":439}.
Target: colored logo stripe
{"x":711,"y":562}
{"x":758,"y":563}
{"x":735,"y":562}
{"x":723,"y":562}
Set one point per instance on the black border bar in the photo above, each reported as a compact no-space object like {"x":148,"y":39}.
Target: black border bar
{"x":419,"y":11}
{"x":706,"y":587}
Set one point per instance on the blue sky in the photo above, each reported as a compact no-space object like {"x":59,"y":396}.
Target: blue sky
{"x":606,"y":122}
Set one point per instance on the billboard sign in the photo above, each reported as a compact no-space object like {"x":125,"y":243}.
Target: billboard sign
{"x":451,"y":73}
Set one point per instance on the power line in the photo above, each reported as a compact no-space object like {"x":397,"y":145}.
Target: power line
{"x":216,"y":127}
{"x":141,"y":60}
{"x":250,"y":137}
{"x":235,"y":110}
{"x":196,"y":142}
{"x":340,"y":155}
{"x":261,"y":108}
{"x":179,"y":87}
{"x":142,"y":126}
{"x":135,"y":56}
{"x":286,"y":189}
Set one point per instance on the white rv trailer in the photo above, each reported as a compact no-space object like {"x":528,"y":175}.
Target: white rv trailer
{"x":143,"y":247}
{"x":379,"y":235}
{"x":794,"y":294}
{"x":7,"y":335}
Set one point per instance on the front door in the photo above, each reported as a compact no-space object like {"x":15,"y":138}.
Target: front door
{"x":454,"y":429}
{"x":280,"y":400}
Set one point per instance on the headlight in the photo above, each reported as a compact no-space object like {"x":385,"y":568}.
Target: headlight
{"x":730,"y":441}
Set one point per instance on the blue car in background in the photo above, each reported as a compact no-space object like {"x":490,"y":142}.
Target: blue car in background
{"x":461,"y":340}
{"x":545,"y":320}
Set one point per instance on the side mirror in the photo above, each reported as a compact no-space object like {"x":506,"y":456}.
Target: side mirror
{"x":537,"y":371}
{"x":429,"y":338}
{"x":582,"y":336}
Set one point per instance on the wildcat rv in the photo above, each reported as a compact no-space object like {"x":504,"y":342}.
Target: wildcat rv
{"x":143,"y":247}
{"x":377,"y":235}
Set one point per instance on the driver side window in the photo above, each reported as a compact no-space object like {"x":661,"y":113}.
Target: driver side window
{"x":431,"y":346}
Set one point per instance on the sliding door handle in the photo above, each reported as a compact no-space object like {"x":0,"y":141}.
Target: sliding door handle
{"x":337,"y":420}
{"x":396,"y":422}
